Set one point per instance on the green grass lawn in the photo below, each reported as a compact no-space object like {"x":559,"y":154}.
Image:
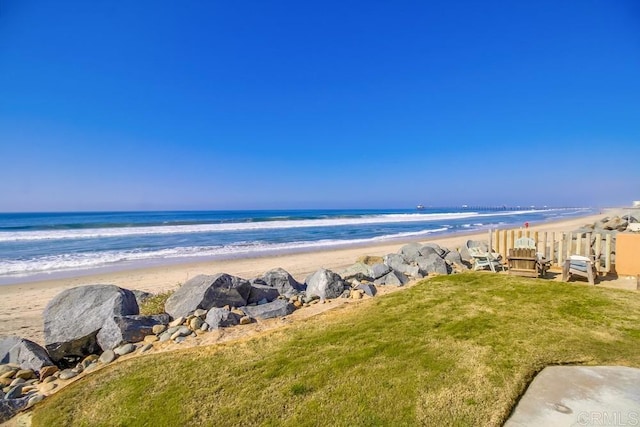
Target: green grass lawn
{"x":454,"y":350}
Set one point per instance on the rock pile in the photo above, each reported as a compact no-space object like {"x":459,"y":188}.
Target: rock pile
{"x":90,"y":326}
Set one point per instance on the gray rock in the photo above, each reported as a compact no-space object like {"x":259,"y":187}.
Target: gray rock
{"x":127,"y":329}
{"x":394,"y":278}
{"x":454,"y":258}
{"x":158,"y":329}
{"x":427,"y":251}
{"x":358,"y":271}
{"x":410,"y":252}
{"x":378,"y":270}
{"x":277,"y":308}
{"x":10,"y":407}
{"x":33,"y":399}
{"x":615,"y":223}
{"x":200,"y":313}
{"x":107,"y":357}
{"x":221,"y":317}
{"x":432,"y":264}
{"x":281,"y":280}
{"x":178,"y":340}
{"x":67,"y":374}
{"x":324,"y":284}
{"x":165,"y":336}
{"x":141,"y":296}
{"x":145,"y":348}
{"x":398,"y":263}
{"x":14,"y":392}
{"x":207,"y":292}
{"x":261,"y":292}
{"x":124,"y":349}
{"x":195,"y":323}
{"x":182,"y":331}
{"x":427,"y":248}
{"x":73,"y":318}
{"x":367,"y":289}
{"x":25,"y":353}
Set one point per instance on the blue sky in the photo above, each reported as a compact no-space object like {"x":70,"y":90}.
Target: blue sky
{"x":290,"y":104}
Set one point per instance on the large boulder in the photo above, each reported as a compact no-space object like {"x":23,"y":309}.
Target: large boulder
{"x":284,"y":282}
{"x":429,"y":248}
{"x":454,"y":257}
{"x":10,"y":407}
{"x":277,"y":308}
{"x":394,"y":278}
{"x":324,"y":284}
{"x":398,"y":263}
{"x":261,"y":292}
{"x":432,"y":264}
{"x":616,"y":223}
{"x":141,"y":296}
{"x":410,"y":252}
{"x":128,"y":329}
{"x":206,"y":292}
{"x":25,"y":353}
{"x":358,"y":271}
{"x":73,"y":318}
{"x":378,"y":270}
{"x":221,"y":317}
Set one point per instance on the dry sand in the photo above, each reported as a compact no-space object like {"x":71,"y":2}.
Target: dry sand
{"x":21,"y":305}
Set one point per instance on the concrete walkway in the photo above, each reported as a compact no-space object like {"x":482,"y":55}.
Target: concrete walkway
{"x":580,"y":396}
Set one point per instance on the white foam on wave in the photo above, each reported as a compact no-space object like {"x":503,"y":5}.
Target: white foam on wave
{"x":92,"y":233}
{"x":83,"y":261}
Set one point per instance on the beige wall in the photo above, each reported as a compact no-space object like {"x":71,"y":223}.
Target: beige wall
{"x":628,"y":254}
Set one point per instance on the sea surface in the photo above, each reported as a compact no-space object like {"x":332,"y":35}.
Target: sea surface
{"x":39,"y":246}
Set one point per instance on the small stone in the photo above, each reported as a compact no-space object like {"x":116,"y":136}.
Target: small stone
{"x":47,"y":371}
{"x":16,"y":382}
{"x":49,"y":380}
{"x":79,"y":368}
{"x":182,"y":331}
{"x":158,"y":329}
{"x":172,"y":329}
{"x":9,"y":374}
{"x":67,"y":374}
{"x":90,"y":359}
{"x":5,"y":381}
{"x":195,"y":323}
{"x":165,"y":336}
{"x":28,"y":389}
{"x":188,"y":319}
{"x":245,"y":320}
{"x":145,"y":348}
{"x":200,"y":313}
{"x":35,"y":399}
{"x":177,"y":322}
{"x":150,"y":338}
{"x":4,"y":369}
{"x":297,"y":304}
{"x":124,"y":349}
{"x":315,"y":301}
{"x":204,"y":327}
{"x":306,"y":304}
{"x":14,"y":393}
{"x":48,"y":387}
{"x":25,"y":374}
{"x":107,"y":357}
{"x":180,"y":339}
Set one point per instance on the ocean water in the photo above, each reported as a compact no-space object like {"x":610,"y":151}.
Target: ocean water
{"x":35,"y":246}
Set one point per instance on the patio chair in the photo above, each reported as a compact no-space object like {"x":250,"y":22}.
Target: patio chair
{"x":526,"y":261}
{"x":484,"y":258}
{"x":579,"y":265}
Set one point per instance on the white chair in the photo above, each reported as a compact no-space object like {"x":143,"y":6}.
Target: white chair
{"x":579,"y":265}
{"x":484,"y":258}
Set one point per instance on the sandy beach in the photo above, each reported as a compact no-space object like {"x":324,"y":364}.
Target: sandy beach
{"x":21,"y":305}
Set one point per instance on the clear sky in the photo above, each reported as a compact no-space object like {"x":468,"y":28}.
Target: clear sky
{"x":299,"y":104}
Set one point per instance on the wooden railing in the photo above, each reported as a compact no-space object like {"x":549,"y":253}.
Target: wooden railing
{"x":557,"y":247}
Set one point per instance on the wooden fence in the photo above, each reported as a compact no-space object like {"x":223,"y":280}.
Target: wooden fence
{"x":557,"y":247}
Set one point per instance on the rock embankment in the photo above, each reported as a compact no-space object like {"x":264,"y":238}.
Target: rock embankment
{"x":91,"y":326}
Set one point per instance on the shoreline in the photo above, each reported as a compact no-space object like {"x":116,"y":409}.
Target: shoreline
{"x":22,"y":304}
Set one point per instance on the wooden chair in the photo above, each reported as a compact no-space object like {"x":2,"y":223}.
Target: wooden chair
{"x":524,"y":260}
{"x":579,"y":265}
{"x":484,"y":258}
